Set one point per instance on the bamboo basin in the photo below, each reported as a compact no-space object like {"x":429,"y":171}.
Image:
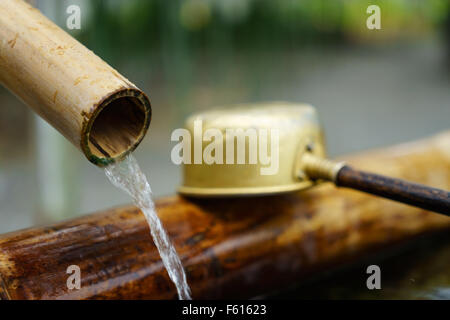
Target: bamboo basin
{"x":101,"y":112}
{"x":231,"y":248}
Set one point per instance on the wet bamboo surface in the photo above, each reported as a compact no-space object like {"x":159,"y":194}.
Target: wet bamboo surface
{"x":418,"y":269}
{"x":231,"y":248}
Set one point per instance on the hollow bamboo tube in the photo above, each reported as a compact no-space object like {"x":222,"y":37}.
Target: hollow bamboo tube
{"x":91,"y":104}
{"x":231,"y":248}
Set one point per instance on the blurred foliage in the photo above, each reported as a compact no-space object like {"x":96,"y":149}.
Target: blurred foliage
{"x":170,"y":42}
{"x":247,"y":24}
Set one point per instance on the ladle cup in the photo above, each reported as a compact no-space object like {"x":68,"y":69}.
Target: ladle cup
{"x":220,"y":169}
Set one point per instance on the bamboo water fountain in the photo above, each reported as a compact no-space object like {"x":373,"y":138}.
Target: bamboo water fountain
{"x":227,"y":246}
{"x":231,"y":248}
{"x":100,"y":111}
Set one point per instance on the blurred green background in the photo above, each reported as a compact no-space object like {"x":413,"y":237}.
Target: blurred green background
{"x":372,"y":87}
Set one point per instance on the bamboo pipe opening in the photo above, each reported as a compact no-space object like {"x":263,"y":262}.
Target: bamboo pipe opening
{"x":116,"y":127}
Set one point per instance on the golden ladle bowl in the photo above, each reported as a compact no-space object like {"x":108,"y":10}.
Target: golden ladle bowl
{"x":298,"y":131}
{"x":274,"y":148}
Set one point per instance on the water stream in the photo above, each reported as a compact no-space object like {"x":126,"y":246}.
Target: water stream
{"x":127,"y":175}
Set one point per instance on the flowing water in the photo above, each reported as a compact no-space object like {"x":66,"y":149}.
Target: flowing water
{"x":127,"y":176}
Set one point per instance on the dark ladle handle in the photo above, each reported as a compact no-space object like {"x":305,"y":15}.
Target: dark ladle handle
{"x":342,"y":175}
{"x":415,"y":194}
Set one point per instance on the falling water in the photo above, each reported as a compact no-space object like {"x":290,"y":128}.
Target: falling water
{"x":127,"y":175}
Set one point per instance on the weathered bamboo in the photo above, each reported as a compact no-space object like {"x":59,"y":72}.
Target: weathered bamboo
{"x":230,"y":247}
{"x":91,"y":104}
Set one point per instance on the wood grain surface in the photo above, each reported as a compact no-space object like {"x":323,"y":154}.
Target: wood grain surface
{"x":231,"y":248}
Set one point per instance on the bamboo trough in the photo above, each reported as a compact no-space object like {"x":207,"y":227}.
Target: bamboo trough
{"x":100,"y":111}
{"x":231,"y":248}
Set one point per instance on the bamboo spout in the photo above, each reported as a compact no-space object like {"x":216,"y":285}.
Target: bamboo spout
{"x":101,"y":112}
{"x":230,"y":248}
